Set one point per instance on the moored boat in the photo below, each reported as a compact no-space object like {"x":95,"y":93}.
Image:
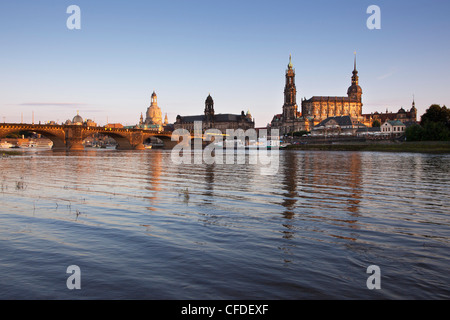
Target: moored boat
{"x":5,"y":145}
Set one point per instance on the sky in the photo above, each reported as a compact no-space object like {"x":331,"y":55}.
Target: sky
{"x":237,"y":51}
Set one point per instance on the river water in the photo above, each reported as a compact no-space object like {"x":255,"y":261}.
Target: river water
{"x":140,"y":227}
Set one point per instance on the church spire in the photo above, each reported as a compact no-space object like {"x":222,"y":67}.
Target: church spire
{"x":355,"y":78}
{"x":290,"y":62}
{"x":355,"y":91}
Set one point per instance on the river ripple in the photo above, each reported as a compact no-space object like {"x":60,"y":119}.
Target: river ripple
{"x":140,"y":227}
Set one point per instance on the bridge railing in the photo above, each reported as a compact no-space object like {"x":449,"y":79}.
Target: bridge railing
{"x":96,"y":128}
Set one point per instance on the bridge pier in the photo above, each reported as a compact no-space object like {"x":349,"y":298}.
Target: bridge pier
{"x":139,"y":147}
{"x":74,"y":140}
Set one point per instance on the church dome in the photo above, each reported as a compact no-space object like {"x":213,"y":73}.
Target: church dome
{"x":154,"y":114}
{"x":77,"y":119}
{"x":354,"y":88}
{"x":354,"y":92}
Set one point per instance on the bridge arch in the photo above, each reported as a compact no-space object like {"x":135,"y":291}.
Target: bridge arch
{"x":56,"y":135}
{"x":165,"y":137}
{"x":123,"y":142}
{"x":70,"y":137}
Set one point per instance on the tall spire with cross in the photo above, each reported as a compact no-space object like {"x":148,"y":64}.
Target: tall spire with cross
{"x":290,"y":93}
{"x":355,"y":77}
{"x":355,"y":91}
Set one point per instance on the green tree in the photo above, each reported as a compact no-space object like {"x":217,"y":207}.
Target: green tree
{"x":414,"y":133}
{"x":436,"y":131}
{"x":434,"y":125}
{"x":376,"y":124}
{"x":436,"y":113}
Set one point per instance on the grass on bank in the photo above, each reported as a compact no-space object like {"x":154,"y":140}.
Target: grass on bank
{"x":9,"y":153}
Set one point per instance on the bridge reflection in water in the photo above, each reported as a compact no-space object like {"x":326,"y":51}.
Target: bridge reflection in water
{"x":70,"y":137}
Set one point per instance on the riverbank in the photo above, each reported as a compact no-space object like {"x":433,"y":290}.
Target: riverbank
{"x":4,"y":153}
{"x":438,"y":147}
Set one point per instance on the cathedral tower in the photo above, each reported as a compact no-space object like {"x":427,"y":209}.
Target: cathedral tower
{"x":354,"y":91}
{"x":290,"y":94}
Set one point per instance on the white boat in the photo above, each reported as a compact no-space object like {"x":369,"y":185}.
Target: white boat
{"x":5,"y":145}
{"x":44,"y":144}
{"x":38,"y":144}
{"x":27,"y":145}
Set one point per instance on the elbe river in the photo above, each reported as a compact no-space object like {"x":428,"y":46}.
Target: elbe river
{"x":139,"y":226}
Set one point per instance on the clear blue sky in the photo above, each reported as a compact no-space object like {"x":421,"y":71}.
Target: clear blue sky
{"x":236,"y":50}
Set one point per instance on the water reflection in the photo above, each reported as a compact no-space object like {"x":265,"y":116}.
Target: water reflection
{"x":355,"y":181}
{"x":153,"y":168}
{"x":323,"y":214}
{"x":209,"y":183}
{"x":290,"y":170}
{"x":327,"y":188}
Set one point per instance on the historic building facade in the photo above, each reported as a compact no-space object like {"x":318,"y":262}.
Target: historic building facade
{"x":317,"y":108}
{"x":338,"y":126}
{"x":211,"y":120}
{"x":320,"y":108}
{"x":408,"y":117}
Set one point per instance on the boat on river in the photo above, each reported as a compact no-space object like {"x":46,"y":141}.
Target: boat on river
{"x":36,"y":144}
{"x":5,"y":145}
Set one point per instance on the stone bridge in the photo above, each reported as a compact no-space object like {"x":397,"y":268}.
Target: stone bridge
{"x":70,"y":137}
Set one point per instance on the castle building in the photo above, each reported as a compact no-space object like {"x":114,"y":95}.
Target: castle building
{"x":406,"y":117}
{"x":317,"y":108}
{"x":211,"y":120}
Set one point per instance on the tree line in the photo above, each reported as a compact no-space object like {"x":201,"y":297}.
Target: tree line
{"x":434,"y":125}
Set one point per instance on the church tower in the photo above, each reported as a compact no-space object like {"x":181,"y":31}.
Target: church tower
{"x":413,"y":111}
{"x":290,"y":94}
{"x":209,"y":111}
{"x":141,"y":120}
{"x":354,"y":91}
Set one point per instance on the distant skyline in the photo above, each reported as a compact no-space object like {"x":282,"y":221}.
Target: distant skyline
{"x":237,"y":51}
